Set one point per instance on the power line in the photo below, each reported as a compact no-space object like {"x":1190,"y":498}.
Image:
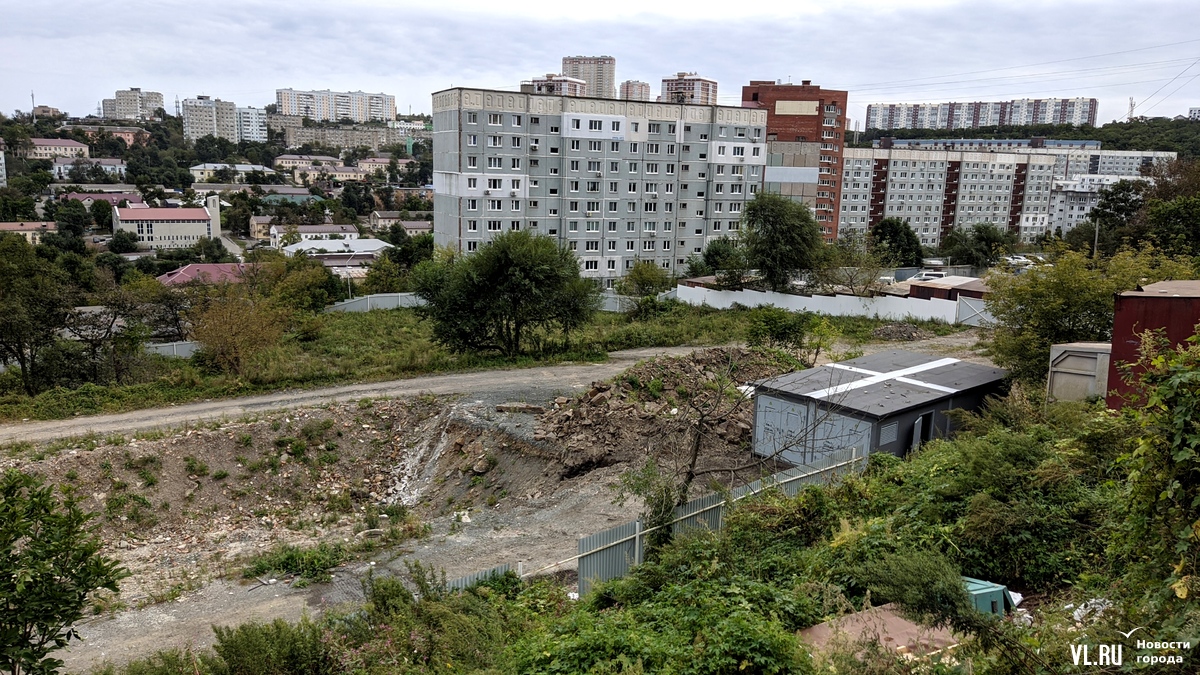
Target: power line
{"x":1131,"y":110}
{"x":1168,"y":96}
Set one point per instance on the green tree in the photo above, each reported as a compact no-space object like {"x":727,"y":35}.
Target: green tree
{"x":645,"y":278}
{"x":896,"y":243}
{"x":35,"y":299}
{"x":385,"y":276}
{"x":781,"y":238}
{"x":50,"y":563}
{"x":492,"y":299}
{"x":1069,"y":301}
{"x":102,"y":214}
{"x":1175,"y":224}
{"x":981,"y":246}
{"x":73,"y":218}
{"x":123,"y":241}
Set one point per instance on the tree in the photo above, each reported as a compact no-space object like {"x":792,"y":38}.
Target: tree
{"x":102,"y":214}
{"x":1069,"y":301}
{"x":232,"y":326}
{"x":645,"y":278}
{"x":896,"y":243}
{"x":123,"y":241}
{"x":981,"y":246}
{"x":385,"y":276}
{"x":493,"y":298}
{"x":50,"y":563}
{"x":781,"y":238}
{"x":73,"y":218}
{"x":849,"y":266}
{"x":35,"y":298}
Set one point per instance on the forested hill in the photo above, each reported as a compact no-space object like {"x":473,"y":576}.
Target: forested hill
{"x":1160,"y":133}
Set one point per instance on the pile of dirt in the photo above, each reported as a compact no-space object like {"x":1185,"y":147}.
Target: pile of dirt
{"x":655,"y":405}
{"x":901,"y":332}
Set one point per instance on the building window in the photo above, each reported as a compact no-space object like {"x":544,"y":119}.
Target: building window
{"x":516,"y":120}
{"x":472,"y":139}
{"x":472,"y":204}
{"x":472,"y":246}
{"x":472,"y":118}
{"x":595,"y":125}
{"x":472,"y":226}
{"x":472,"y":162}
{"x":495,"y":162}
{"x":493,"y":226}
{"x":494,"y":118}
{"x":616,"y":126}
{"x":472,"y":183}
{"x":591,"y":264}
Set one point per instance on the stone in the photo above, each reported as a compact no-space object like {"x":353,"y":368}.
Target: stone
{"x":481,"y":466}
{"x":519,"y":407}
{"x":373,"y":533}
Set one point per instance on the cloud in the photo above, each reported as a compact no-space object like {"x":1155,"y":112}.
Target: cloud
{"x":908,"y":50}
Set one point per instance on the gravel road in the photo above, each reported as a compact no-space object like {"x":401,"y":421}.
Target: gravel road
{"x":520,"y":384}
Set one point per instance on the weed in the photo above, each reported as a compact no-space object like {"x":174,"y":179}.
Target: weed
{"x":493,"y":500}
{"x":365,"y":403}
{"x":72,"y":475}
{"x":328,"y":457}
{"x":148,"y":477}
{"x":116,"y":439}
{"x":314,"y":430}
{"x":312,"y":564}
{"x":655,"y":387}
{"x":220,"y":474}
{"x":195,"y":467}
{"x":245,"y":440}
{"x":276,"y":425}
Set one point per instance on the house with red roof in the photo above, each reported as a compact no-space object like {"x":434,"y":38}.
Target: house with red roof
{"x":206,"y":273}
{"x":49,"y":148}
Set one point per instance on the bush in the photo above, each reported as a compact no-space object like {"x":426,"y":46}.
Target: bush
{"x":276,"y":648}
{"x":310,"y":564}
{"x":804,"y":334}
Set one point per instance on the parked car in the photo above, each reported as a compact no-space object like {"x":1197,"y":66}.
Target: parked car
{"x":929,"y":275}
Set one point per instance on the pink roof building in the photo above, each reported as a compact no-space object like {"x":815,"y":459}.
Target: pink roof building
{"x":206,"y":273}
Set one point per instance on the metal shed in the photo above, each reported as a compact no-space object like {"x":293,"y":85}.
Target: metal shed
{"x":890,"y":401}
{"x":1170,"y":306}
{"x":988,"y":597}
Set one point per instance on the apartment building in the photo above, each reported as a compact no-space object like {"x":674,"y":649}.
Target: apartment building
{"x":63,"y":167}
{"x":158,"y":228}
{"x":805,"y":127}
{"x":206,"y":116}
{"x":1194,"y":114}
{"x":688,"y":88}
{"x":344,"y":137}
{"x":615,"y":181}
{"x":598,"y":72}
{"x":953,"y":115}
{"x":935,"y":191}
{"x":552,"y":84}
{"x":1072,"y":158}
{"x":289,"y":162}
{"x":1071,"y":201}
{"x":203,"y":172}
{"x":333,"y":106}
{"x":635,"y":90}
{"x":252,"y":124}
{"x":52,"y":148}
{"x":132,"y":104}
{"x":131,"y":135}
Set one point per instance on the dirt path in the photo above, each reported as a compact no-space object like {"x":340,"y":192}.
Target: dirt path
{"x":520,"y":384}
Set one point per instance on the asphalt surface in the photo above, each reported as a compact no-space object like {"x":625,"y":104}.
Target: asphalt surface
{"x":520,"y":384}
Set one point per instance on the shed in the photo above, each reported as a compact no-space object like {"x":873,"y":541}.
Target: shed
{"x":1078,"y":371}
{"x":1170,"y":306}
{"x":891,"y":401}
{"x":988,"y":597}
{"x":948,"y":288}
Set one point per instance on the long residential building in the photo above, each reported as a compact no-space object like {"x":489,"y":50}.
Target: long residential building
{"x":344,"y":137}
{"x":131,"y":104}
{"x":51,"y":148}
{"x":1072,"y":158}
{"x":953,"y":115}
{"x":333,"y":106}
{"x":615,"y":181}
{"x":934,"y":191}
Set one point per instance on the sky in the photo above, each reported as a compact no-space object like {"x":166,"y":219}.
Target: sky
{"x":71,"y":54}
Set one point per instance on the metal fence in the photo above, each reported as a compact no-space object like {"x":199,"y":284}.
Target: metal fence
{"x":465,"y":582}
{"x":367,"y":303}
{"x":612,"y":553}
{"x":181,"y":350}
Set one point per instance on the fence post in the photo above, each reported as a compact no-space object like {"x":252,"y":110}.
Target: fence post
{"x":637,"y":543}
{"x":520,"y":569}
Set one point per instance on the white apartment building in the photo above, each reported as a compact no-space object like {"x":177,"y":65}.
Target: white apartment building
{"x":313,"y":233}
{"x":953,"y":115}
{"x":114,"y":168}
{"x":598,"y":72}
{"x":170,"y":228}
{"x":935,"y":191}
{"x":132,"y":104}
{"x":1071,"y":201}
{"x":555,"y":85}
{"x":252,"y":124}
{"x":1072,"y":158}
{"x":614,"y":181}
{"x":1194,"y":114}
{"x":333,"y":106}
{"x":205,"y":116}
{"x":202,"y":172}
{"x":689,"y":88}
{"x":635,"y":90}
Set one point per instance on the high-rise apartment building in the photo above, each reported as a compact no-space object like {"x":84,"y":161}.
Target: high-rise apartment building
{"x":206,"y":116}
{"x":688,"y":88}
{"x":635,"y":90}
{"x":333,"y":106}
{"x":1072,"y":158}
{"x":599,"y":72}
{"x":1071,"y":201}
{"x":252,"y":124}
{"x":131,"y":104}
{"x":1194,"y":114}
{"x":805,"y":128}
{"x":615,"y":181}
{"x":555,"y":85}
{"x":1018,"y":112}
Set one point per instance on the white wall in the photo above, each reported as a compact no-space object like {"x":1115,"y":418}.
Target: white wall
{"x":885,"y":307}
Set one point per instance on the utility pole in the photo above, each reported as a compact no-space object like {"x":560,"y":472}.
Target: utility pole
{"x":32,"y":106}
{"x":1129,"y":117}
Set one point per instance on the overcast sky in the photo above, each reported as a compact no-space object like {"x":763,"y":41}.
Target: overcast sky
{"x":72,"y":54}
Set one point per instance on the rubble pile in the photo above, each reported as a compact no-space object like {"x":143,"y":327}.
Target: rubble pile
{"x":901,"y":332}
{"x":618,"y":421}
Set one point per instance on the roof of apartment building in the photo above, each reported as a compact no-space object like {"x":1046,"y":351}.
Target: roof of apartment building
{"x":241,"y":168}
{"x":357,"y":246}
{"x":209,"y":273}
{"x":103,"y":161}
{"x":327,"y":228}
{"x":30,"y":226}
{"x":113,"y":198}
{"x":134,"y":213}
{"x":308,"y":158}
{"x":58,"y":142}
{"x":105,"y":127}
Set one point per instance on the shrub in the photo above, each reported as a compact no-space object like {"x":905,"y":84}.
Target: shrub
{"x":310,"y":564}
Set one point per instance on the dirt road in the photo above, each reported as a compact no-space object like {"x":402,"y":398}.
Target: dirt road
{"x":519,"y":384}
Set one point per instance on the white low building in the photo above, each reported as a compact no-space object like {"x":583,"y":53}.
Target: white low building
{"x":114,"y":168}
{"x":203,"y":172}
{"x":313,"y":233}
{"x":159,"y":228}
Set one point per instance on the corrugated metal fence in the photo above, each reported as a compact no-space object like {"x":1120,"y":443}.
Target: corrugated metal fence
{"x":612,"y":553}
{"x":465,"y":582}
{"x":367,"y":303}
{"x":180,"y":350}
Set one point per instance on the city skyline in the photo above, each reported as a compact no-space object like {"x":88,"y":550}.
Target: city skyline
{"x":1111,"y":51}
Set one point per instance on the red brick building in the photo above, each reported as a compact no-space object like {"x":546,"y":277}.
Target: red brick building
{"x":807,"y":113}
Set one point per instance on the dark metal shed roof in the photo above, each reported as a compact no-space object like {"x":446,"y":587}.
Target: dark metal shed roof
{"x":885,"y":383}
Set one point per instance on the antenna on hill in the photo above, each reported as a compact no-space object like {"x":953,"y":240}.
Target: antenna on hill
{"x":1129,"y":117}
{"x":32,"y":106}
{"x":178,"y":112}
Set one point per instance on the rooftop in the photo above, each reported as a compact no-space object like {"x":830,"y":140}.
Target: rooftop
{"x":209,"y":273}
{"x":58,"y":142}
{"x":28,"y":226}
{"x":337,"y":246}
{"x":1166,"y":289}
{"x":113,"y":198}
{"x":884,"y":383}
{"x":242,"y":168}
{"x":162,"y":214}
{"x":103,"y":161}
